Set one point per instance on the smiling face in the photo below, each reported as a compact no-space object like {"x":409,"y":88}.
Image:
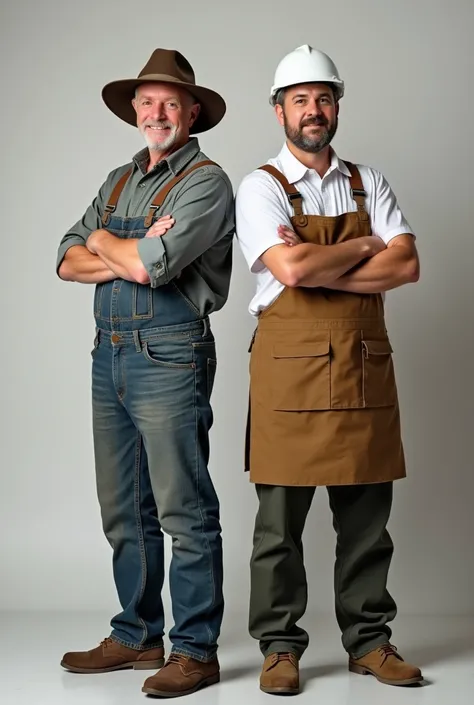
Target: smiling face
{"x":308,"y":113}
{"x":165,"y":115}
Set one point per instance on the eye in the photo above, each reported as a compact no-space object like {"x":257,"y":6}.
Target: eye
{"x":172,"y":105}
{"x":146,"y":102}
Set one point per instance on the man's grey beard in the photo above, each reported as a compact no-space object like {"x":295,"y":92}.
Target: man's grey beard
{"x":159,"y":146}
{"x":310,"y":143}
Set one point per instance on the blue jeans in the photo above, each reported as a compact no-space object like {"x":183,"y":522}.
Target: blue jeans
{"x":151,"y":392}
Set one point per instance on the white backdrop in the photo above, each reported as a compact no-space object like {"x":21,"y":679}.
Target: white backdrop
{"x":408,"y":67}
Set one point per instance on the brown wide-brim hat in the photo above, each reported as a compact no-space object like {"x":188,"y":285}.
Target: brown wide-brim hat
{"x":165,"y":66}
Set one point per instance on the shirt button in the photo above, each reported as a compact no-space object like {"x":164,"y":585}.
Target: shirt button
{"x":159,"y":267}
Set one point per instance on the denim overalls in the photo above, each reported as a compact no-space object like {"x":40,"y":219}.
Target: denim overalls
{"x":154,"y":362}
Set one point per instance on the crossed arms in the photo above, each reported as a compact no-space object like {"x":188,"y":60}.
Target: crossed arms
{"x":202,"y":216}
{"x":364,"y":265}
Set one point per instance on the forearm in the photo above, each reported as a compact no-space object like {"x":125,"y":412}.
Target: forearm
{"x":317,"y":265}
{"x":80,"y":265}
{"x":121,"y":256}
{"x":389,"y":269}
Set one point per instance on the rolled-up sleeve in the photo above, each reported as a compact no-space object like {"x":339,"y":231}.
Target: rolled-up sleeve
{"x":203,"y":214}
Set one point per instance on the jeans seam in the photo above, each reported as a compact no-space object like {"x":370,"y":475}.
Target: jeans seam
{"x":197,"y":477}
{"x":141,"y":543}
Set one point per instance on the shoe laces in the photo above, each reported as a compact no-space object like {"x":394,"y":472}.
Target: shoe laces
{"x":386,"y":650}
{"x":180,"y":659}
{"x":106,"y":642}
{"x":285,"y":657}
{"x":278,"y":657}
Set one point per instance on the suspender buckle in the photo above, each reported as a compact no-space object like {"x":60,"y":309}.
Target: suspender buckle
{"x":359,"y":192}
{"x":294,"y":197}
{"x":151,"y":214}
{"x":109,"y":208}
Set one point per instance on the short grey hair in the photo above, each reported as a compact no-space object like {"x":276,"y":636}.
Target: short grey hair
{"x":193,"y":99}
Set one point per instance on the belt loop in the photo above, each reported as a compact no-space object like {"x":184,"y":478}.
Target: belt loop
{"x":205,"y":331}
{"x":137,"y":341}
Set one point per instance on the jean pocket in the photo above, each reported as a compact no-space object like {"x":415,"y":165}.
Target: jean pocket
{"x":174,"y":354}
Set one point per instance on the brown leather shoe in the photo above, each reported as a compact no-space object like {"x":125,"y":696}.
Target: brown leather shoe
{"x":182,"y":675}
{"x":111,"y":656}
{"x":386,"y":664}
{"x":280,"y":674}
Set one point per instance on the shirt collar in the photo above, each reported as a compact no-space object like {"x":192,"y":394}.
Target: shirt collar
{"x":294,"y":170}
{"x":176,"y":161}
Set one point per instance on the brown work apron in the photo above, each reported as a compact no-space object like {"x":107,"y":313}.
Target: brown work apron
{"x":323,"y":398}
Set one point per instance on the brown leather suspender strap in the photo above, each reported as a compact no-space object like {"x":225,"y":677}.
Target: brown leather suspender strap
{"x":296,"y":200}
{"x":160,"y":197}
{"x":114,"y":197}
{"x":358,"y":192}
{"x":294,"y":196}
{"x":158,"y":200}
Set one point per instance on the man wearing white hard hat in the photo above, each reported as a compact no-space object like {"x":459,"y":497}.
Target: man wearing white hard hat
{"x":325,"y":239}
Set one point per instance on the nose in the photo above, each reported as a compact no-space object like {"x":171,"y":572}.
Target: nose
{"x":157,"y":111}
{"x":314,"y":108}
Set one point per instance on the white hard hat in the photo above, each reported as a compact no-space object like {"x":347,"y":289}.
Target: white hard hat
{"x":306,"y":65}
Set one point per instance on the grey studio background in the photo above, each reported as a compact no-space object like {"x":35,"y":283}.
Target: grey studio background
{"x":408,"y":67}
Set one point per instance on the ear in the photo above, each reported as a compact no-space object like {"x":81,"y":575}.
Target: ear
{"x":279,"y":114}
{"x":195,"y":110}
{"x":134,"y":103}
{"x":337,"y":109}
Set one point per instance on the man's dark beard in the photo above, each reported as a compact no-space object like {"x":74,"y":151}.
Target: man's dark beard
{"x":310,"y":143}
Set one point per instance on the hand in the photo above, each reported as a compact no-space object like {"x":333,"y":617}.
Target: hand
{"x":161,"y":226}
{"x":372,"y":245}
{"x":289,"y":236}
{"x":92,"y":240}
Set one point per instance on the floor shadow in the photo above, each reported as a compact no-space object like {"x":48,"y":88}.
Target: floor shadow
{"x":313,"y":672}
{"x":231,"y":674}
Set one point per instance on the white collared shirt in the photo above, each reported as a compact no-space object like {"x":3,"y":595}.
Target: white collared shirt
{"x":262,"y":205}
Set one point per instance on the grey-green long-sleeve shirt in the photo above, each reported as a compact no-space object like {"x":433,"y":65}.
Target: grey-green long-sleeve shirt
{"x":198,"y":246}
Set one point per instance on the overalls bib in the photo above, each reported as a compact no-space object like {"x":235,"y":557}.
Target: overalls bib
{"x":121,"y":305}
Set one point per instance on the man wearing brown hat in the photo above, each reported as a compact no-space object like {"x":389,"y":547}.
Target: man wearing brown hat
{"x":156,"y":242}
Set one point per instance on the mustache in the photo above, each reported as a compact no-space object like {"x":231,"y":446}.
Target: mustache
{"x":318,"y":121}
{"x":158,"y":123}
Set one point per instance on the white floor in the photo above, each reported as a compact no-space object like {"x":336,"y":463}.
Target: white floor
{"x":31,"y":647}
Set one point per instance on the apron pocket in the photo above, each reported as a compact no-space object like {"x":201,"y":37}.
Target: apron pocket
{"x":378,"y":373}
{"x":300,"y":376}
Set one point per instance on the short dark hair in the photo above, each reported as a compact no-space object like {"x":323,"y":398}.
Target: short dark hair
{"x":279,"y":97}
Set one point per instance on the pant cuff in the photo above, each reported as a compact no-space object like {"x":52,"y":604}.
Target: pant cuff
{"x":194,"y":655}
{"x":368,"y":647}
{"x":282,"y":647}
{"x":136,"y":647}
